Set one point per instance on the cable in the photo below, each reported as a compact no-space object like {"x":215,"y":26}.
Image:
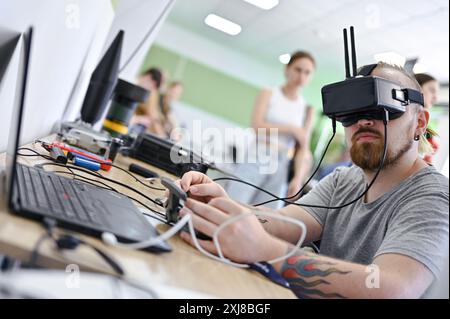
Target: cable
{"x":247,"y":183}
{"x":70,"y":242}
{"x":385,"y":121}
{"x":137,"y":179}
{"x":103,"y":177}
{"x":276,"y":198}
{"x":112,"y":165}
{"x":257,"y":213}
{"x":49,"y":225}
{"x":108,"y":187}
{"x":111,"y":239}
{"x":312,"y":175}
{"x":31,"y":155}
{"x":96,"y":181}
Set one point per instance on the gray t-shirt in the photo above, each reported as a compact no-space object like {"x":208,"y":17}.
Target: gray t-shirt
{"x":411,"y":219}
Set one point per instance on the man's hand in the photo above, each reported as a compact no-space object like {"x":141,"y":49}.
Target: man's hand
{"x":200,"y":186}
{"x":244,"y":241}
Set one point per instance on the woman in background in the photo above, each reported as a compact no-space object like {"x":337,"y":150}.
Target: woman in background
{"x":284,"y":109}
{"x":147,"y":115}
{"x":168,"y":120}
{"x":430,"y":89}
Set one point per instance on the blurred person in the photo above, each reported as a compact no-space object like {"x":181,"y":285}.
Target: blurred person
{"x":430,"y":89}
{"x":168,"y":121}
{"x":148,"y":114}
{"x":284,"y":109}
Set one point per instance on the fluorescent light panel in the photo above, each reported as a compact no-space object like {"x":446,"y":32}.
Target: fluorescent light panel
{"x":264,"y":4}
{"x":285,"y":58}
{"x":222,"y":24}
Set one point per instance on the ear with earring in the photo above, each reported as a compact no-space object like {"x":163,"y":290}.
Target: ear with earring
{"x":417,"y":138}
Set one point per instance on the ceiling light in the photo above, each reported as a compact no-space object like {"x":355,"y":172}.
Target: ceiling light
{"x":419,"y":68}
{"x":264,"y":4}
{"x":285,"y":58}
{"x":391,"y":58}
{"x":223,"y":24}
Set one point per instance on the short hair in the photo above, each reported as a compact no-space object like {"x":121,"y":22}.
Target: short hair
{"x":411,"y":79}
{"x":155,"y":74}
{"x":423,"y":78}
{"x":424,"y":146}
{"x":301,"y":55}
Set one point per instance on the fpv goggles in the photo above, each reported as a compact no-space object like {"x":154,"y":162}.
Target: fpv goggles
{"x":363,"y":96}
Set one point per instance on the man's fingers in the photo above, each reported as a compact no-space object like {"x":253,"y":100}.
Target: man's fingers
{"x":227,"y":205}
{"x":193,"y":178}
{"x":200,"y":223}
{"x":186,"y":182}
{"x":209,"y":189}
{"x":205,"y":244}
{"x":206,"y":211}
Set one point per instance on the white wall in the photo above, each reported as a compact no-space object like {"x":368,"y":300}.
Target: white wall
{"x":63,"y":33}
{"x":137,"y":18}
{"x":223,"y":58}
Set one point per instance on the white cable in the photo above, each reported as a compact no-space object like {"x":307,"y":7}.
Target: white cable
{"x":111,"y":239}
{"x":266,"y":214}
{"x":233,"y":219}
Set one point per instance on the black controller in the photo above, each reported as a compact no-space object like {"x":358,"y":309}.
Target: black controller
{"x":175,"y":201}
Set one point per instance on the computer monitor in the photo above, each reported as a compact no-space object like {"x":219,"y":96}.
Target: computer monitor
{"x":102,"y":83}
{"x":8,"y":43}
{"x":17,"y":113}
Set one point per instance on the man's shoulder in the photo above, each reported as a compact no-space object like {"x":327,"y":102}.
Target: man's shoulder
{"x":430,"y":179}
{"x":350,"y":173}
{"x":344,"y":177}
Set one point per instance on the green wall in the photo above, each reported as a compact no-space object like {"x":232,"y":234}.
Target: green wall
{"x":204,"y":87}
{"x":229,"y":97}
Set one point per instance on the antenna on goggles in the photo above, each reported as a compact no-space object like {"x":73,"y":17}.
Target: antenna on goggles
{"x":347,"y":63}
{"x":352,"y":41}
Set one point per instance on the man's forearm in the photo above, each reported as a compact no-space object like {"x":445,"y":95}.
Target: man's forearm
{"x":314,"y":276}
{"x":276,"y":227}
{"x":263,"y":219}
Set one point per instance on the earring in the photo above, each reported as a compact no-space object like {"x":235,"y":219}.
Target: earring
{"x":416,"y":138}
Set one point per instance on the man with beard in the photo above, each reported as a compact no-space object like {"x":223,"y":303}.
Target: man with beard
{"x":389,"y":244}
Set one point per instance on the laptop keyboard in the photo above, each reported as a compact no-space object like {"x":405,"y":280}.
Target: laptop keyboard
{"x":60,"y":197}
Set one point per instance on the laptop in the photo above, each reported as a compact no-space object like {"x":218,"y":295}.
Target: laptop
{"x":36,"y":194}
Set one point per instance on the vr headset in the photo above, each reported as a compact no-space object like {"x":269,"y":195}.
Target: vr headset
{"x":363,"y":96}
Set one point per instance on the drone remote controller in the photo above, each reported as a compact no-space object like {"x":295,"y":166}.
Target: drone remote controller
{"x":175,"y":201}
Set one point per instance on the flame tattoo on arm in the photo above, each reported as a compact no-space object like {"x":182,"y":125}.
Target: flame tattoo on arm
{"x":297,"y":269}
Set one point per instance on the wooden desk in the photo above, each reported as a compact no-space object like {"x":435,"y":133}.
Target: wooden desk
{"x":184,"y":267}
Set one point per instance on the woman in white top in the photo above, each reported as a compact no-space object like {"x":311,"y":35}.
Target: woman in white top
{"x":284,"y":109}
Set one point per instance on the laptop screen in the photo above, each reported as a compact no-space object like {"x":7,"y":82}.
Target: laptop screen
{"x":16,"y":117}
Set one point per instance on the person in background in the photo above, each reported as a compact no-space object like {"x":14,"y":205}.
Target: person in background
{"x":168,"y":121}
{"x":430,"y":89}
{"x":147,"y":115}
{"x":285,"y":109}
